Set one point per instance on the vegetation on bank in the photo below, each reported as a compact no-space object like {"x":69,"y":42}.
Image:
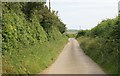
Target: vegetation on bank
{"x":30,"y":32}
{"x":102,"y":44}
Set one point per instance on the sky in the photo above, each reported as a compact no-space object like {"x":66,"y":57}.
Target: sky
{"x":84,"y":14}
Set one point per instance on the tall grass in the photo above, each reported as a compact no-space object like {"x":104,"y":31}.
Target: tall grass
{"x":33,"y":59}
{"x":102,"y":51}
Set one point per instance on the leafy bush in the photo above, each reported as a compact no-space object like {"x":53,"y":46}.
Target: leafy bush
{"x":27,"y":39}
{"x":81,"y":33}
{"x":102,"y":52}
{"x":102,"y":44}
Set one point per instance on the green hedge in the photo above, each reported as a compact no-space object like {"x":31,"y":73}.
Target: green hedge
{"x":28,"y":46}
{"x":102,"y":44}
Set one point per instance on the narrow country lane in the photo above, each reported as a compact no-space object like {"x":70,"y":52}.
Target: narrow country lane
{"x":73,"y":60}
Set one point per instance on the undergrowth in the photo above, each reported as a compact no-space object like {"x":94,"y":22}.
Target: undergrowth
{"x":32,"y":37}
{"x":103,"y":52}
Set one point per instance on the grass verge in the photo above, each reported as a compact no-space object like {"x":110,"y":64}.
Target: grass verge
{"x":102,"y":51}
{"x":33,"y":59}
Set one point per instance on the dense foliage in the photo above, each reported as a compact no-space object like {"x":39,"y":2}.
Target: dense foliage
{"x":81,"y":33}
{"x":102,"y":44}
{"x":29,"y":36}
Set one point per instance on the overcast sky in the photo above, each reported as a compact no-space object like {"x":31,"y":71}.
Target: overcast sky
{"x":84,"y":14}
